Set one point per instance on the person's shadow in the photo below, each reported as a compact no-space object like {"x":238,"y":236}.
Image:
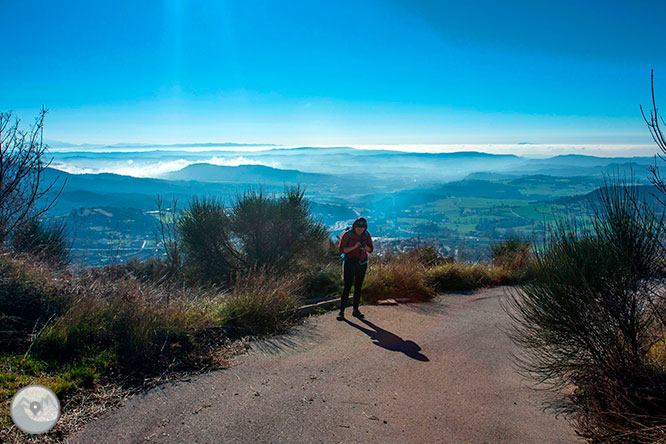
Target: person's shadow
{"x":390,"y":341}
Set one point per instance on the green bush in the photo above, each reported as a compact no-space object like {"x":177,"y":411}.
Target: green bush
{"x":46,"y":240}
{"x":592,"y":313}
{"x":256,"y":230}
{"x":152,"y":269}
{"x":278,"y":231}
{"x":427,"y":256}
{"x":204,"y":228}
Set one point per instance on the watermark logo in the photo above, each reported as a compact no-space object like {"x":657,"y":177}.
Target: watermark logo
{"x":35,"y":409}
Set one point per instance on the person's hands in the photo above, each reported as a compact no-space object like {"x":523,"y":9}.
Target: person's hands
{"x":358,"y":244}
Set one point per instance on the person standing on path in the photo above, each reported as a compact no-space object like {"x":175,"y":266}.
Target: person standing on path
{"x":355,"y":244}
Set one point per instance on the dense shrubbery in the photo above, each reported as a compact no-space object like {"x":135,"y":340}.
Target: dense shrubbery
{"x":218,"y":242}
{"x":593,"y":314}
{"x":426,"y":256}
{"x":44,"y":239}
{"x":144,"y":328}
{"x":131,"y":319}
{"x":276,"y":231}
{"x":148,"y":328}
{"x":210,"y":256}
{"x":153,"y":270}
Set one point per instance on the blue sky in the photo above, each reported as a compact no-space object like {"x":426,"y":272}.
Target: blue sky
{"x":334,"y":73}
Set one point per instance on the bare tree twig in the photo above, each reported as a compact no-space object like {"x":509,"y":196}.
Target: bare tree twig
{"x":22,"y":168}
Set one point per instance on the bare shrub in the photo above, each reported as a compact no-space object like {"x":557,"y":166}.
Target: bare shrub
{"x":168,"y":236}
{"x":22,"y":164}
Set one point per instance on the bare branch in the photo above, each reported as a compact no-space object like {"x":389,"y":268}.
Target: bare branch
{"x":21,"y":168}
{"x":658,"y":136}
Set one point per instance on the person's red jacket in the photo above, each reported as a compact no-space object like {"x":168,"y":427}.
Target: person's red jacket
{"x":361,"y":255}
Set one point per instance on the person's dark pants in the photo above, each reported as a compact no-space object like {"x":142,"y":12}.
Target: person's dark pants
{"x":354,"y":274}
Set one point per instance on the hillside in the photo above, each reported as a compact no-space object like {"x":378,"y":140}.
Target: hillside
{"x":205,"y":172}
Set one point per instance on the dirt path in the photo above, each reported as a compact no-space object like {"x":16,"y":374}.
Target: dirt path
{"x":438,"y":372}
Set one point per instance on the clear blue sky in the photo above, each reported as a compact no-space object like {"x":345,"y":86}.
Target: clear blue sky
{"x":345,"y":72}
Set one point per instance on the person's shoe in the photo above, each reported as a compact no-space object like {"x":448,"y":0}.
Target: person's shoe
{"x":358,"y":314}
{"x":341,"y":316}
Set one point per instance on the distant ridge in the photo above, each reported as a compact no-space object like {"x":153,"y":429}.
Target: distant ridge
{"x":206,"y":172}
{"x":649,"y":193}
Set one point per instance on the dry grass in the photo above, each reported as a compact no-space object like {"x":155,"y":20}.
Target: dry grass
{"x":397,"y":276}
{"x":260,"y":302}
{"x":461,"y":277}
{"x":31,"y":293}
{"x":149,"y":328}
{"x":113,"y":334}
{"x":419,"y":274}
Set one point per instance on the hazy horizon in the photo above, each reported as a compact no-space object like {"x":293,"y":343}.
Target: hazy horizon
{"x":526,"y":149}
{"x":156,"y":161}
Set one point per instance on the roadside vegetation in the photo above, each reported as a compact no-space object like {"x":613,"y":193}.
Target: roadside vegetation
{"x":592,"y":319}
{"x":420,"y":274}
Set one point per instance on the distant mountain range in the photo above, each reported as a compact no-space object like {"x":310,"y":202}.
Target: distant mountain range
{"x":339,"y":175}
{"x":392,"y":167}
{"x":647,"y":193}
{"x":205,"y":172}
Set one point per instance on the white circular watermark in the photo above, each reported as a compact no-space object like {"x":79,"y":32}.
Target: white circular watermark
{"x":35,"y":409}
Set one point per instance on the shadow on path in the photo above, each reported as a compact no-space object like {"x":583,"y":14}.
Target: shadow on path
{"x":390,"y":341}
{"x":296,"y":338}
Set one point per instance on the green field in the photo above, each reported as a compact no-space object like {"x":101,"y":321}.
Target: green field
{"x":476,"y":216}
